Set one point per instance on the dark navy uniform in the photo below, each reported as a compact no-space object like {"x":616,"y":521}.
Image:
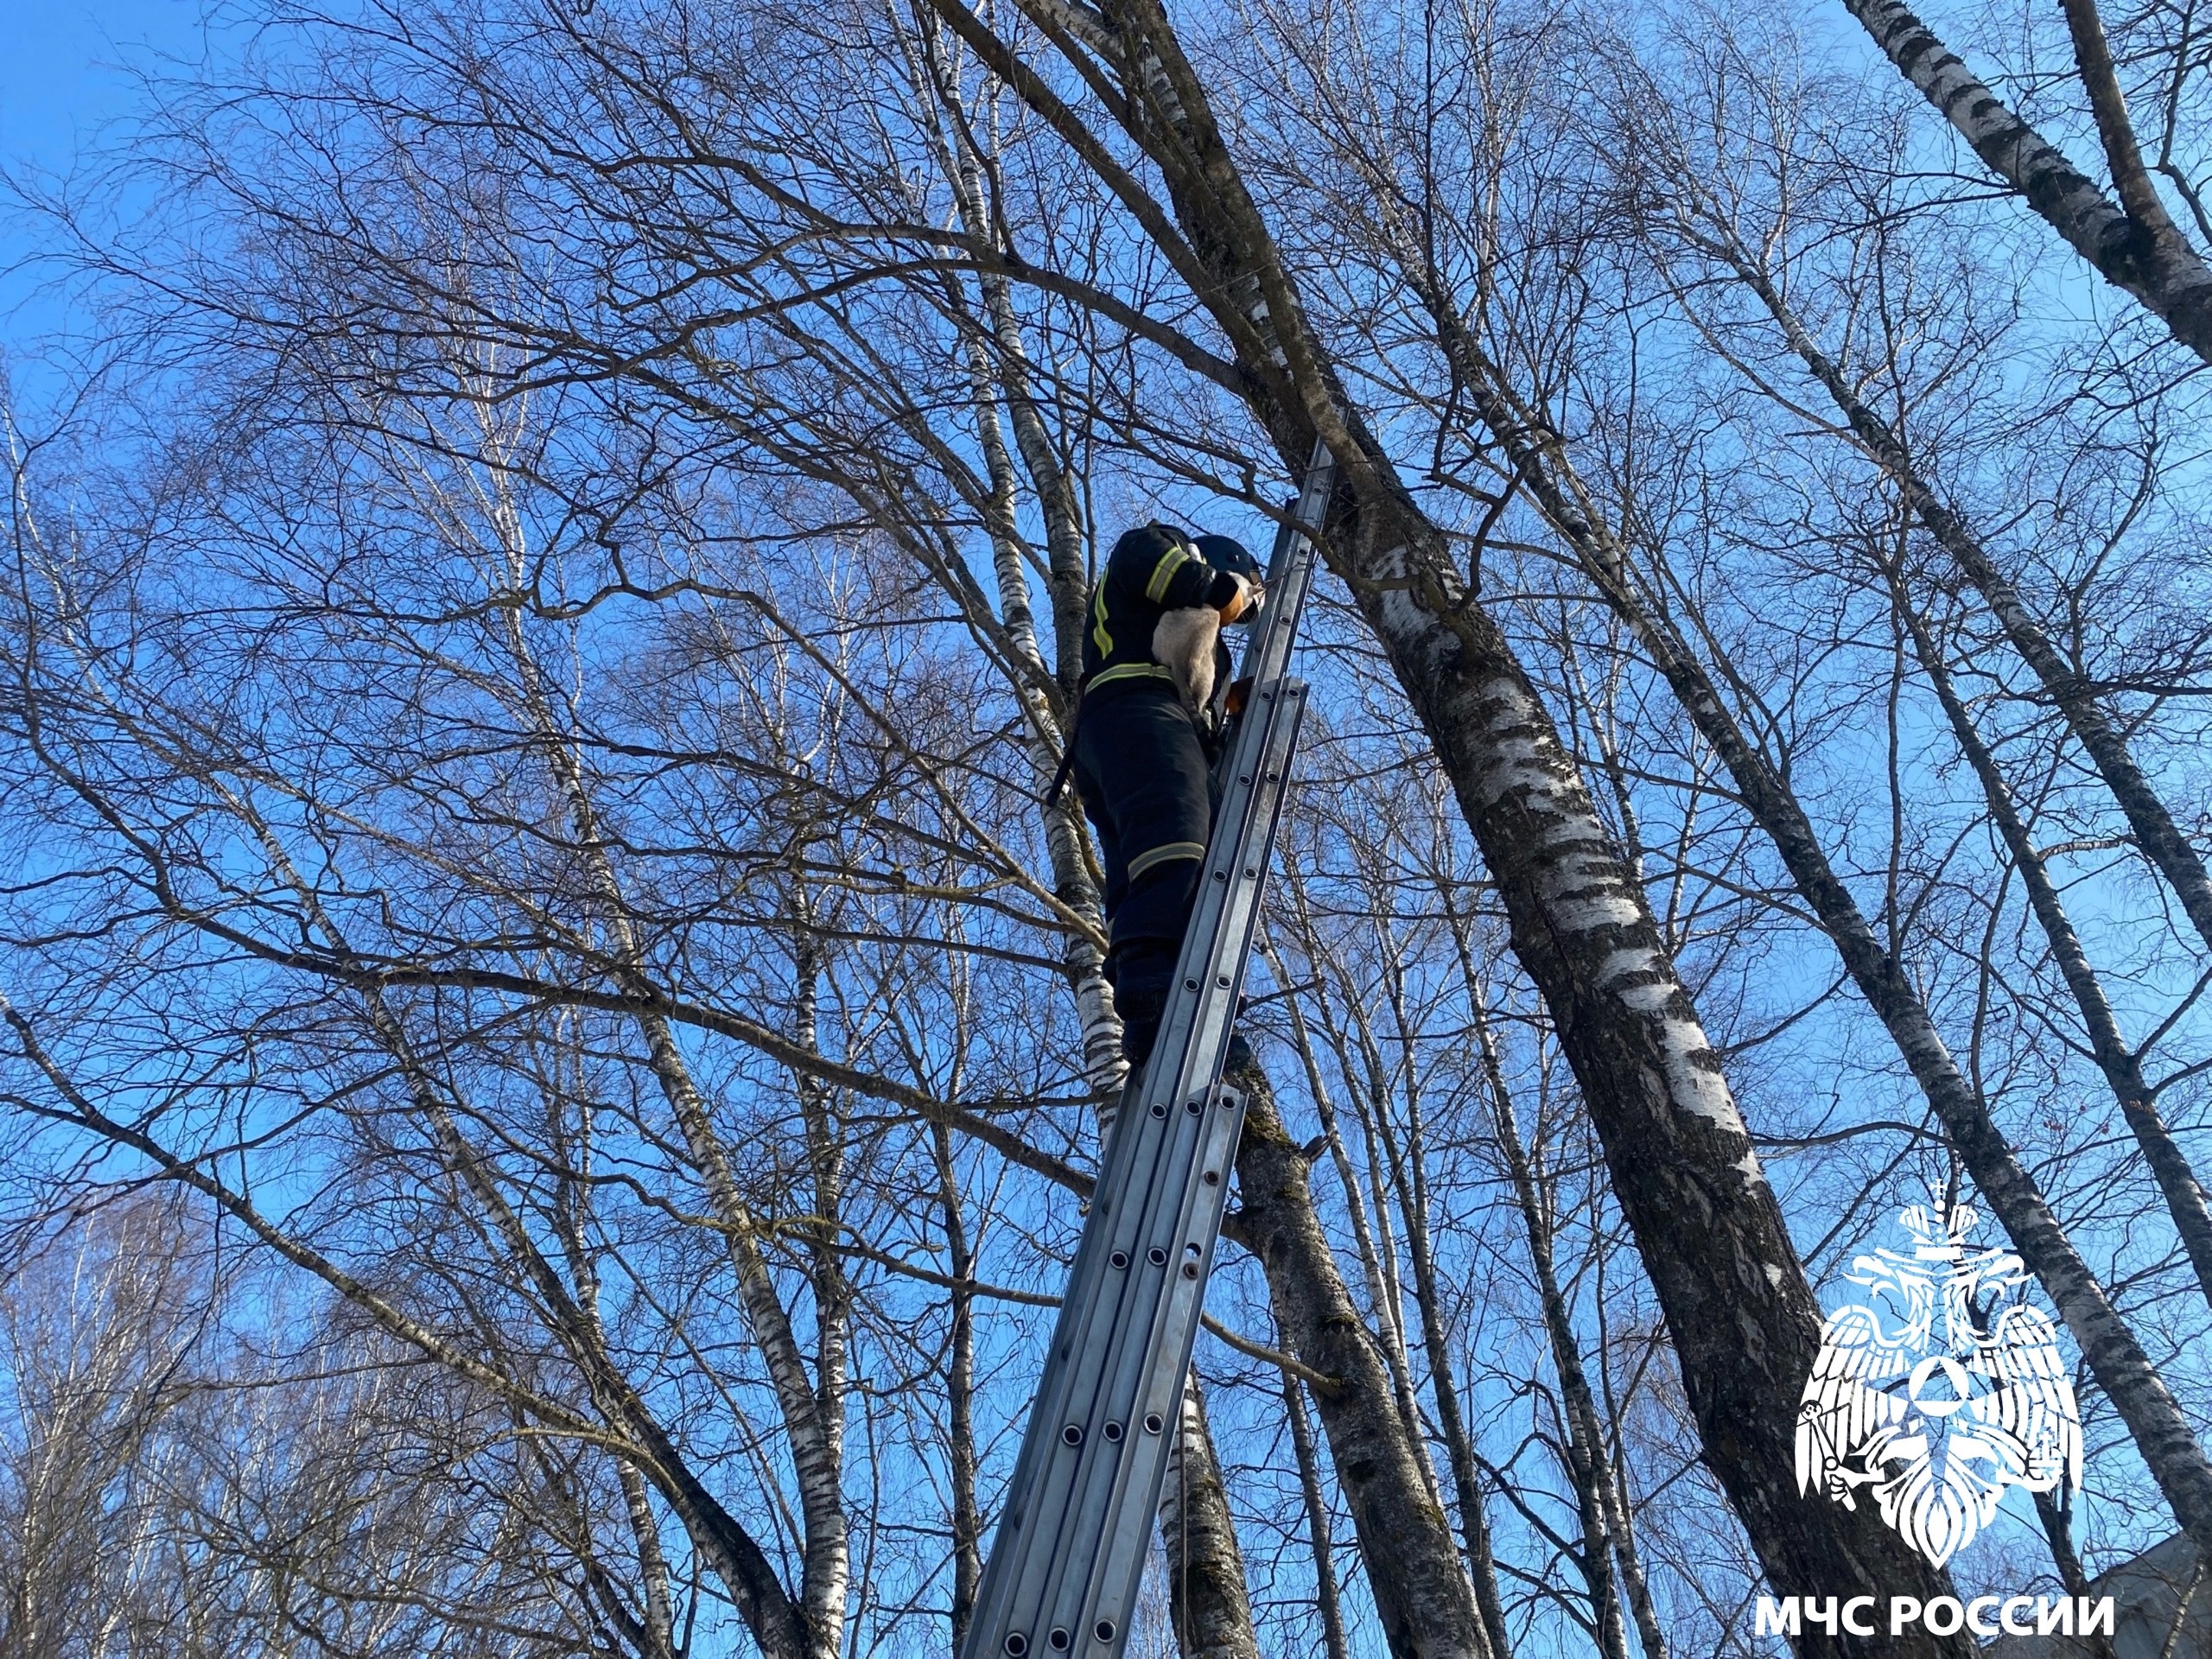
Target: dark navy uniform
{"x":1141,"y":761}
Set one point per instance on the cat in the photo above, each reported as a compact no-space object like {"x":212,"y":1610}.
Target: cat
{"x":1184,"y":642}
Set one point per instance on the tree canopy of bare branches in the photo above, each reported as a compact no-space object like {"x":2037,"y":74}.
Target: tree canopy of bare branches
{"x":555,"y":1037}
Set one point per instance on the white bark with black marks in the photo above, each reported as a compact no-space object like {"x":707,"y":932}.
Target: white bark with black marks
{"x":2154,"y":263}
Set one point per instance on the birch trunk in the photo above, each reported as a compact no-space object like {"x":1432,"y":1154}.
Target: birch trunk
{"x":1389,"y":1338}
{"x":2123,"y":1071}
{"x":1389,"y":1341}
{"x":656,"y":1639}
{"x":2153,"y":263}
{"x":1743,"y":1320}
{"x":2058,"y":1532}
{"x":2156,"y":832}
{"x":960,"y":1390}
{"x":1207,"y":1599}
{"x":1409,"y":1175}
{"x":2139,"y":196}
{"x":833,"y":1298}
{"x":1421,"y":1594}
{"x":1317,"y":1517}
{"x":2162,"y":1436}
{"x":1595,"y":1473}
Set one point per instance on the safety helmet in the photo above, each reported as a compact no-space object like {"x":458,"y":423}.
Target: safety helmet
{"x":1226,"y":553}
{"x":1228,"y":556}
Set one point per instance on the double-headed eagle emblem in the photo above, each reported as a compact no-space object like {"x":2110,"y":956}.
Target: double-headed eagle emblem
{"x":1961,"y":1393}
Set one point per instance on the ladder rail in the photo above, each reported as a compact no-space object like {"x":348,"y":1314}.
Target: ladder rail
{"x":1065,"y":1563}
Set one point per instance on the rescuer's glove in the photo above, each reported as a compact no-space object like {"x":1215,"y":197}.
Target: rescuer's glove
{"x":1244,"y":602}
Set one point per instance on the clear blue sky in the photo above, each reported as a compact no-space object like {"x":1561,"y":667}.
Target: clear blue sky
{"x":64,"y":73}
{"x":59,"y":77}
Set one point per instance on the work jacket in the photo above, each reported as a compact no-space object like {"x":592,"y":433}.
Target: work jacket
{"x":1152,"y":569}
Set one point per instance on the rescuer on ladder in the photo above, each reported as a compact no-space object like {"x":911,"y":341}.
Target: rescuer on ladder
{"x":1155,"y":702}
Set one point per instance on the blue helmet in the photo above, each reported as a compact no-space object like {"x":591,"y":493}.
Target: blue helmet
{"x":1226,"y":553}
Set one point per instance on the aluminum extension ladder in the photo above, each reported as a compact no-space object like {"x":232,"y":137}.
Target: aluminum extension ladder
{"x":1065,"y":1566}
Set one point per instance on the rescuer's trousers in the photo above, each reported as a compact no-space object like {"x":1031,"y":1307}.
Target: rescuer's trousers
{"x":1141,"y":768}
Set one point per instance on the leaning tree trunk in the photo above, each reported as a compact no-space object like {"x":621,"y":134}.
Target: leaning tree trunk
{"x":2151,"y":260}
{"x":2156,"y":832}
{"x":2122,"y":1069}
{"x":1421,"y":1592}
{"x":2162,"y":1436}
{"x":1743,"y":1320}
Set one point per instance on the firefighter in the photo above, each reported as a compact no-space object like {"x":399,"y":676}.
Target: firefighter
{"x":1154,"y":704}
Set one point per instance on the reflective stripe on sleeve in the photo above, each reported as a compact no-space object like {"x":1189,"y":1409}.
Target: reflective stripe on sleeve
{"x":1163,"y":573}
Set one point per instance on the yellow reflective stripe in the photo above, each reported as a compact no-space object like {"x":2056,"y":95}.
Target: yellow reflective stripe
{"x":1098,"y":634}
{"x":1167,"y":854}
{"x":1129,"y":672}
{"x":1170,"y":562}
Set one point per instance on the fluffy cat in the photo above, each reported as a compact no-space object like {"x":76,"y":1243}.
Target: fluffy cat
{"x":1183,"y":644}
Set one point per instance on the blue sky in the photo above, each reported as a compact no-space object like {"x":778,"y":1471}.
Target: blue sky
{"x":66,"y":68}
{"x":65,"y":73}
